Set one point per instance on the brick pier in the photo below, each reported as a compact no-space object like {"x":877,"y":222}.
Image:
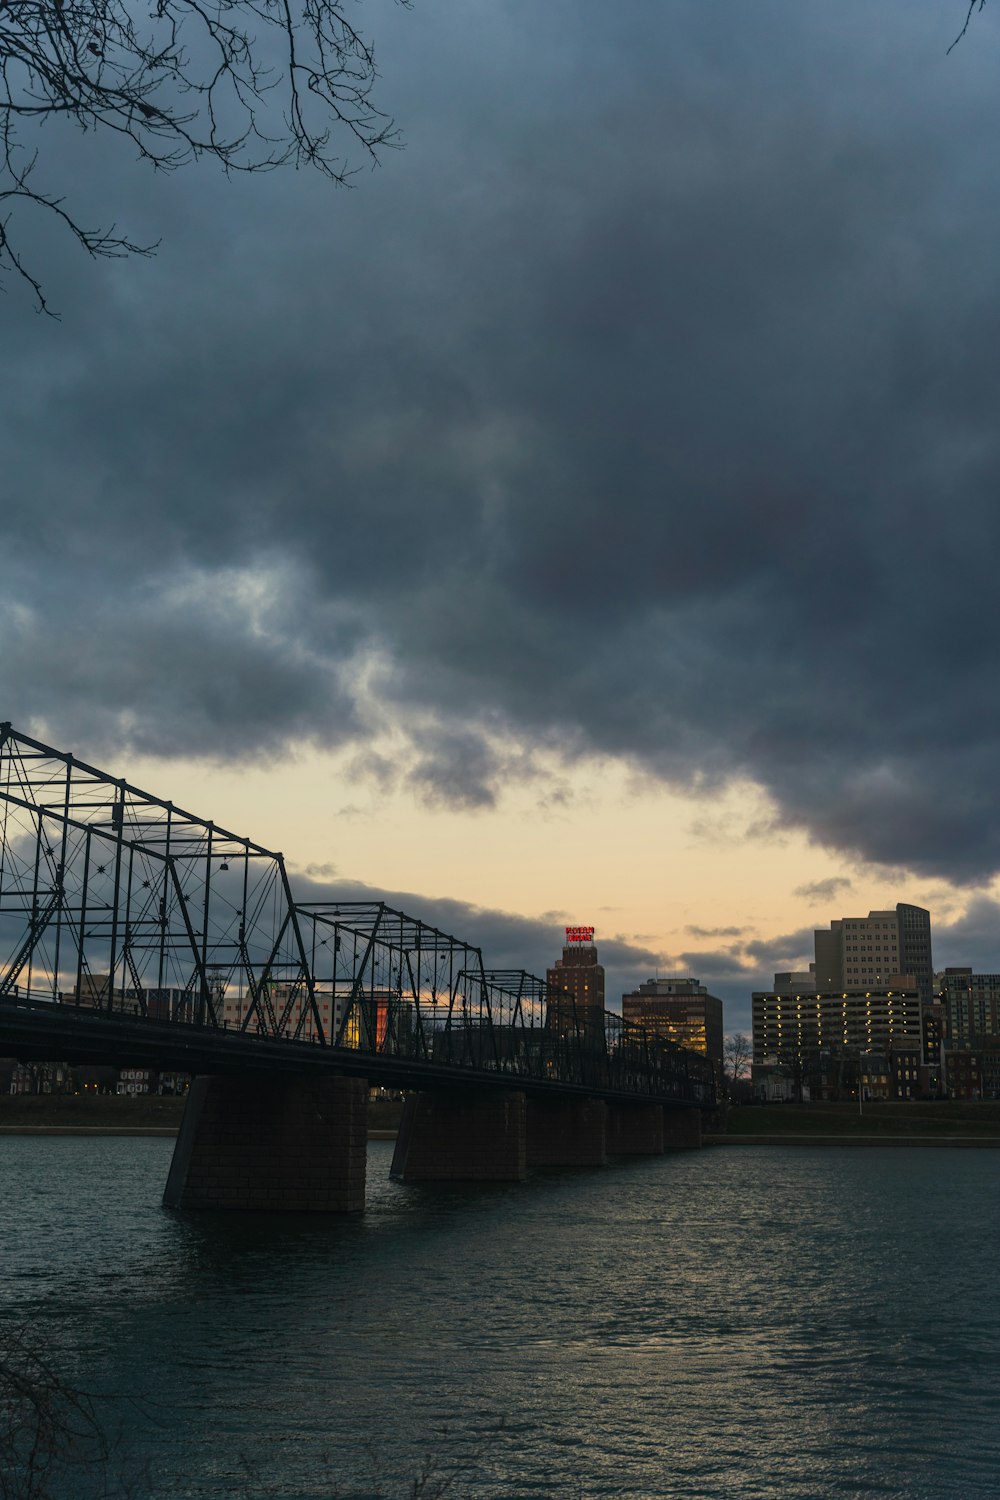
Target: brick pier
{"x":567,"y":1132}
{"x":635,"y":1129}
{"x":681,"y":1129}
{"x":454,"y":1136}
{"x":288,"y":1144}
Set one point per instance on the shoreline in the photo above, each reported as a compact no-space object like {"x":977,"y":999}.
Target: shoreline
{"x":135,"y":1130}
{"x":958,"y":1142}
{"x":964,"y":1141}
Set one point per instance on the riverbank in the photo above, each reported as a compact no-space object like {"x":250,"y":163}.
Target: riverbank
{"x":946,"y":1123}
{"x":939,"y":1119}
{"x":139,"y":1114}
{"x":816,"y":1139}
{"x":90,"y":1114}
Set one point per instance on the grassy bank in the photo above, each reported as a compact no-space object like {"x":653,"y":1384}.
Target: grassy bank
{"x":943,"y":1118}
{"x":384,"y":1114}
{"x":138,"y":1112}
{"x":91,"y":1111}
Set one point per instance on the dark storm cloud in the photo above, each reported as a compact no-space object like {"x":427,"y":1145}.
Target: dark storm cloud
{"x":971,"y":940}
{"x":791,"y":950}
{"x":186,"y":676}
{"x":645,"y":406}
{"x":734,"y":971}
{"x":717,"y":962}
{"x":456,"y":767}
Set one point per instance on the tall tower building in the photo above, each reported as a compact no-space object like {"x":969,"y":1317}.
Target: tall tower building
{"x":577,"y":982}
{"x":884,"y":949}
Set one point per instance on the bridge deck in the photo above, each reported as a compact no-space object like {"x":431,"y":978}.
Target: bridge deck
{"x":42,"y":1031}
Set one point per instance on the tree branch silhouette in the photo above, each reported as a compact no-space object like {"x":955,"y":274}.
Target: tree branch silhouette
{"x":253,"y":84}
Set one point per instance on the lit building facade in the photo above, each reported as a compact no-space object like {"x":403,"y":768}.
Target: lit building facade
{"x":681,"y":1010}
{"x":236,"y":1007}
{"x":787,"y":1026}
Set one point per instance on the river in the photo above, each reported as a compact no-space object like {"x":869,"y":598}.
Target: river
{"x":735,"y":1323}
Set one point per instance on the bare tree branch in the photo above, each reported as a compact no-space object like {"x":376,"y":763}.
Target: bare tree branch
{"x":968,"y":18}
{"x":254,"y":84}
{"x":50,"y":1433}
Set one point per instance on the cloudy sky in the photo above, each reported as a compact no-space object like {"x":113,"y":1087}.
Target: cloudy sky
{"x":590,"y":516}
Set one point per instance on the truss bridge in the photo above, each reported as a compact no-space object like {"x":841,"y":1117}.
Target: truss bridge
{"x":134,"y":933}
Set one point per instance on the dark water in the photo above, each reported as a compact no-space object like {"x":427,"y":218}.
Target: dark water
{"x":738,"y":1323}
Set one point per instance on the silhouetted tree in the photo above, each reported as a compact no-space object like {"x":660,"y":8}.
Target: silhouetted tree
{"x":253,"y":85}
{"x":737,"y":1054}
{"x":795,"y":1067}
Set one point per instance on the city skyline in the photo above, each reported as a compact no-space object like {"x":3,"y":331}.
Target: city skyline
{"x":568,"y":523}
{"x":509,"y":937}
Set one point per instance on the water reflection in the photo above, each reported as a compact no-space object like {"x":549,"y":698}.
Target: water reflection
{"x":742,"y":1324}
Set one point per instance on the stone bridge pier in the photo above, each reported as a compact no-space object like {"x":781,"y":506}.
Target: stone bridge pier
{"x":567,"y":1133}
{"x":272,"y":1144}
{"x":456,"y":1135}
{"x":300,"y":1143}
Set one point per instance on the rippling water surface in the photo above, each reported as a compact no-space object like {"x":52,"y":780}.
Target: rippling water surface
{"x":739,"y":1323}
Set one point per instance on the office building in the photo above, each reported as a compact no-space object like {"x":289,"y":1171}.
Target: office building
{"x":681,"y":1010}
{"x":857,"y":1021}
{"x":885,"y":950}
{"x":971,"y":1003}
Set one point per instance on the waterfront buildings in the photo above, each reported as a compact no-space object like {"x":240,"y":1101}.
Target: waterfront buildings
{"x":865,"y":1009}
{"x":680,"y":1009}
{"x":973,"y":1069}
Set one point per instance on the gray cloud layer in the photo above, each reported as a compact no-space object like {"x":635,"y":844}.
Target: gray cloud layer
{"x":644,"y":406}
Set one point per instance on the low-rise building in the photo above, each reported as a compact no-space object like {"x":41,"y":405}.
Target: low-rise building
{"x":972,"y":1068}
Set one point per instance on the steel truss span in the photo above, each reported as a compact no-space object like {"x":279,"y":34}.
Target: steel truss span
{"x":130,"y":924}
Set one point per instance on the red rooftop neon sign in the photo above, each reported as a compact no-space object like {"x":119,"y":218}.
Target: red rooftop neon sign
{"x":579,"y":934}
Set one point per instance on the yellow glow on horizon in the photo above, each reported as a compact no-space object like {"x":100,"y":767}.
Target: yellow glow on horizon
{"x":637,"y":860}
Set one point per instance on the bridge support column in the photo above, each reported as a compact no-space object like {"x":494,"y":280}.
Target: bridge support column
{"x":280,"y":1144}
{"x":460,"y":1137}
{"x":681,"y":1129}
{"x":635,"y":1129}
{"x":567,"y":1133}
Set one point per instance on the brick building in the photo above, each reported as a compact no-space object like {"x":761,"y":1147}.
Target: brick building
{"x":576,"y":983}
